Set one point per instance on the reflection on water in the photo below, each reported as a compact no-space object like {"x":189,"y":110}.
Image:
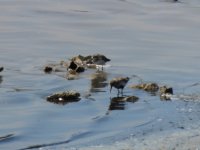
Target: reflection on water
{"x":98,"y":81}
{"x":117,"y":103}
{"x":1,"y":79}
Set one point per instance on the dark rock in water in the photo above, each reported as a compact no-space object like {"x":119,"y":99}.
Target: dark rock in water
{"x":64,"y":97}
{"x":72,"y":65}
{"x":76,"y":67}
{"x":149,"y":87}
{"x":166,"y":93}
{"x":48,"y":69}
{"x":1,"y":69}
{"x":131,"y":99}
{"x":80,"y":60}
{"x":166,"y":90}
{"x":91,"y":61}
{"x":80,"y":69}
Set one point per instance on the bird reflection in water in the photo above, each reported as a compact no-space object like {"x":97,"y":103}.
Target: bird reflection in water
{"x":98,"y":81}
{"x":117,"y":103}
{"x":1,"y":79}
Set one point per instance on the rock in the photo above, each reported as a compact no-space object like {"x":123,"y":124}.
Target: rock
{"x":80,"y":69}
{"x":64,"y":97}
{"x":76,"y":67}
{"x":1,"y":69}
{"x":48,"y":69}
{"x":166,"y":90}
{"x":132,"y":99}
{"x":72,"y":65}
{"x":90,"y":61}
{"x":166,"y":93}
{"x":64,"y":64}
{"x":149,"y":87}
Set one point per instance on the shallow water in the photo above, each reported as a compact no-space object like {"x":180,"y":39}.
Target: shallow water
{"x":156,"y":40}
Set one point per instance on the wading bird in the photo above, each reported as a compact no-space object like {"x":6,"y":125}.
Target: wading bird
{"x":119,"y":83}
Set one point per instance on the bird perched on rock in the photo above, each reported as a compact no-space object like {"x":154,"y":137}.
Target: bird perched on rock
{"x":119,"y":83}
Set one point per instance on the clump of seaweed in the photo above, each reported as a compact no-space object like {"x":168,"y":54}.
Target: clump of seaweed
{"x":149,"y":87}
{"x":64,"y":97}
{"x":166,"y":93}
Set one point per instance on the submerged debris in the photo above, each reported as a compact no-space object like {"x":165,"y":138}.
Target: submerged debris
{"x":149,"y":87}
{"x":1,"y":69}
{"x":64,"y":97}
{"x":166,"y":92}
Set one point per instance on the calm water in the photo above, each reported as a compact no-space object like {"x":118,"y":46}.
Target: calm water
{"x":154,"y":39}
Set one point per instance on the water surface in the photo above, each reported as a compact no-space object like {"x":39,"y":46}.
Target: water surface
{"x":157,"y":40}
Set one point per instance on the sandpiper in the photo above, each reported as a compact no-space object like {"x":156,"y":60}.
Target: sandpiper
{"x":99,"y":59}
{"x":119,"y":83}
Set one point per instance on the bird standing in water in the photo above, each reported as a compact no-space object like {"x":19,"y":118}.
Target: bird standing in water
{"x":99,"y":59}
{"x":119,"y":83}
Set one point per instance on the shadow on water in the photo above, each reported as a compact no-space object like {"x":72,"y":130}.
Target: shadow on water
{"x":74,"y":137}
{"x":98,"y":81}
{"x":5,"y":138}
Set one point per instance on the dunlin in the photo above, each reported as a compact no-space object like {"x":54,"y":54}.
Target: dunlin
{"x":99,"y":59}
{"x":119,"y":83}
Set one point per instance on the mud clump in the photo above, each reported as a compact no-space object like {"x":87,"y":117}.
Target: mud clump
{"x":166,"y":93}
{"x":149,"y":87}
{"x":64,"y":97}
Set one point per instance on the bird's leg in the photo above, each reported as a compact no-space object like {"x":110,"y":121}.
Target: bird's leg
{"x":102,"y":67}
{"x":118,"y":92}
{"x":122,"y":92}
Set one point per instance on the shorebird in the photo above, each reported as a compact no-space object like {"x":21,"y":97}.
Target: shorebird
{"x":99,"y":59}
{"x":119,"y":83}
